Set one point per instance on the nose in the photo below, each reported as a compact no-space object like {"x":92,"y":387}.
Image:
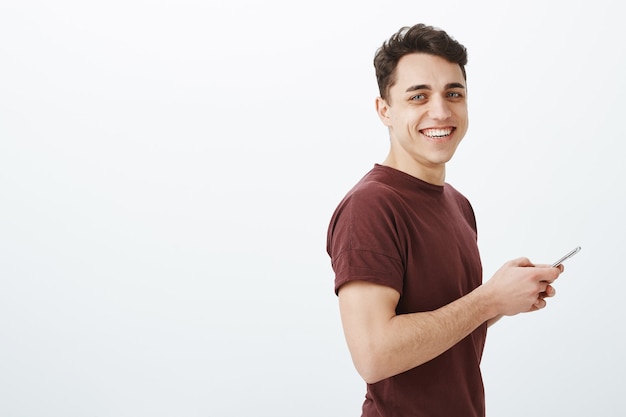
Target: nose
{"x":439,"y":109}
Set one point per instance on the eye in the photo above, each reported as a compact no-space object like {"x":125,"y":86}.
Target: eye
{"x":454,"y":94}
{"x":418,"y":97}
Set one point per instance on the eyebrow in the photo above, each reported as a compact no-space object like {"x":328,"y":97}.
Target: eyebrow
{"x":428,"y":87}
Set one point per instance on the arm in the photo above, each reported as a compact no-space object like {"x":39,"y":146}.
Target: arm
{"x":493,"y":320}
{"x":383,"y":344}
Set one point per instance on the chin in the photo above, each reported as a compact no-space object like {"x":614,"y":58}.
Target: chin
{"x":441,"y":158}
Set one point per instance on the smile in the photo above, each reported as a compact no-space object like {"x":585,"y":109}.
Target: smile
{"x":438,"y":133}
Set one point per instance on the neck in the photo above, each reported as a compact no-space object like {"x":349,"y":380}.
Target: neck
{"x":432,"y":175}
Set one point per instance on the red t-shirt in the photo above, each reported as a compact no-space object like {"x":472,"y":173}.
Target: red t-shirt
{"x":420,"y":239}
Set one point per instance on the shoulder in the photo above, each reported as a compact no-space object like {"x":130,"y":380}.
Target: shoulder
{"x":371,"y":209}
{"x":371,"y":197}
{"x":456,"y":195}
{"x":463,"y":203}
{"x":378,"y":185}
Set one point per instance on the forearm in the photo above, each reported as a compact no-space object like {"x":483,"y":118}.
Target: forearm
{"x":409,"y":340}
{"x":493,"y":320}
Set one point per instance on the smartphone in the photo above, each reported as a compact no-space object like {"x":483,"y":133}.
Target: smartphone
{"x":566,"y":256}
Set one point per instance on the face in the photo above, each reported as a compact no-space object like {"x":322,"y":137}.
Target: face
{"x":426,"y":113}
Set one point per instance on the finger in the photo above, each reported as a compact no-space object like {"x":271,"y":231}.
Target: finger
{"x":549,"y":292}
{"x":560,"y":267}
{"x":539,"y":304}
{"x":548,"y":275}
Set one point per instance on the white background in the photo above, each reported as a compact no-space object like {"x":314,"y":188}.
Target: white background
{"x":168,"y":170}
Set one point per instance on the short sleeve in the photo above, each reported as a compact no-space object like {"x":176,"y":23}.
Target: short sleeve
{"x":364,"y":242}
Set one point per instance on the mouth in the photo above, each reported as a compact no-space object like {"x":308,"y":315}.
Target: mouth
{"x":438,"y":134}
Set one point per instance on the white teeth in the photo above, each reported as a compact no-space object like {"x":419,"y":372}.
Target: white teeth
{"x":437,"y":133}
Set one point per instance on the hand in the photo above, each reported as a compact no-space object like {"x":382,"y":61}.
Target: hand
{"x":549,"y":292}
{"x":520,"y":286}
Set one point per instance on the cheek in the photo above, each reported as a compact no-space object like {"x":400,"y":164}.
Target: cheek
{"x":462,"y":122}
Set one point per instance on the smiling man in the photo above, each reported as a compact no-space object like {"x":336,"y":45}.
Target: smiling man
{"x":426,"y":121}
{"x":403,"y":245}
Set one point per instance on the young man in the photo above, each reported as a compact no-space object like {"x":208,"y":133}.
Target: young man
{"x":403,"y":246}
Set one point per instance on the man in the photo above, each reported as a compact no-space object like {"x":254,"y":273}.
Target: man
{"x":403,"y":245}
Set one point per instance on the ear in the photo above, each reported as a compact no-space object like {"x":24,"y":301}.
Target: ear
{"x":382,"y":109}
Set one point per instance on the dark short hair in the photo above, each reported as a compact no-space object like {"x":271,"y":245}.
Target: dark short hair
{"x":408,"y":40}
